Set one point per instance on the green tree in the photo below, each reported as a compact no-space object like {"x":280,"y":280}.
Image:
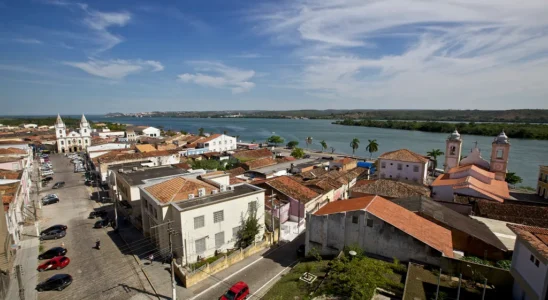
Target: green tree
{"x":275,"y":139}
{"x":512,"y":178}
{"x":372,"y":147}
{"x":201,"y":131}
{"x":308,"y":141}
{"x":355,"y":144}
{"x":292,"y":144}
{"x":183,"y":132}
{"x":297,"y":153}
{"x":324,"y":145}
{"x":249,"y":228}
{"x":434,"y":153}
{"x":207,"y":164}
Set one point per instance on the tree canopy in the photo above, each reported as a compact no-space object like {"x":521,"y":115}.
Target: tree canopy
{"x":249,"y":228}
{"x":275,"y":139}
{"x":292,"y":144}
{"x":354,"y":144}
{"x":324,"y":145}
{"x":372,"y":147}
{"x":297,"y":153}
{"x":512,"y":178}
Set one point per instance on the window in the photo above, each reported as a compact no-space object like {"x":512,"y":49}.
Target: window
{"x":199,"y":222}
{"x":200,"y":245}
{"x":235,"y":231}
{"x":85,"y":130}
{"x":391,"y":164}
{"x":62,"y":142}
{"x":60,"y":131}
{"x":382,"y":175}
{"x":399,"y":166}
{"x":369,"y":222}
{"x":252,"y":206}
{"x":79,"y":141}
{"x":499,"y":153}
{"x":86,"y":141}
{"x":355,"y":219}
{"x":213,"y":143}
{"x":532,"y":258}
{"x":219,"y":239}
{"x":218,"y":216}
{"x":383,"y":165}
{"x":452,"y":151}
{"x":415,"y":168}
{"x":536,"y":263}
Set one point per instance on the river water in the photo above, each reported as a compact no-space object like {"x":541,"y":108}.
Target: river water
{"x":525,"y":155}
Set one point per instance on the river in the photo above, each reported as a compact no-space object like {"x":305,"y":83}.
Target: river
{"x":525,"y":155}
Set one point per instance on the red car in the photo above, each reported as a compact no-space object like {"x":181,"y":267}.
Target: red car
{"x":57,"y":262}
{"x":238,"y":291}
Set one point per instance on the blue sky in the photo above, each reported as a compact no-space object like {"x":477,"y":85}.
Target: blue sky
{"x":61,"y":56}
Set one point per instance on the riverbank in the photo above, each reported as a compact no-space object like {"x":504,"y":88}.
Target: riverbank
{"x":512,"y":130}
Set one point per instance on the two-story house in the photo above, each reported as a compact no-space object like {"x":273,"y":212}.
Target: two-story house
{"x":218,"y":143}
{"x":530,"y":262}
{"x":403,"y":164}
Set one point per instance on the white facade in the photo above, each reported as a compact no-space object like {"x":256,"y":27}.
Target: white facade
{"x":30,"y":125}
{"x":219,"y":143}
{"x":401,"y":170}
{"x":530,"y":279}
{"x":97,"y":150}
{"x":152,"y":132}
{"x":72,"y":141}
{"x":453,"y":150}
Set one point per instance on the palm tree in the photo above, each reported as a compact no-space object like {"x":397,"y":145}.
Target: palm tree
{"x":225,"y":132}
{"x":434,"y":153}
{"x":355,"y":144}
{"x":308,"y":141}
{"x":372,"y":147}
{"x":332,"y":150}
{"x":201,"y":131}
{"x":324,"y":145}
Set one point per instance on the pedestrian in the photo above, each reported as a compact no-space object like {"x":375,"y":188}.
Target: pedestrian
{"x":151,"y":258}
{"x":62,"y":244}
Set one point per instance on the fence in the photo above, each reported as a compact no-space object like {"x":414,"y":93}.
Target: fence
{"x":495,"y":276}
{"x":190,"y":278}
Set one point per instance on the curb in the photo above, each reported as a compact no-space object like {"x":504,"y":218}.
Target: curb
{"x":142,"y":270}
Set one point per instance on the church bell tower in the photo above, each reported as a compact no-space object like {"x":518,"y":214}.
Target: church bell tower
{"x":499,"y":156}
{"x":453,"y":149}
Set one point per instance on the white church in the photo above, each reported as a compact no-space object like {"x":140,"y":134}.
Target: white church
{"x":74,"y":141}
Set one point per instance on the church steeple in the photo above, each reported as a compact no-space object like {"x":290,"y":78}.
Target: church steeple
{"x":59,"y":121}
{"x":83,"y":120}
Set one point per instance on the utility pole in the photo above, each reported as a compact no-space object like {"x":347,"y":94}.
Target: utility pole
{"x":19,"y":274}
{"x":170,"y":231}
{"x":272,"y":195}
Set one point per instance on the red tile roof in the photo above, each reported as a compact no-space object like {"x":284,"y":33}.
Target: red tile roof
{"x":236,"y":171}
{"x":536,"y":237}
{"x":421,"y":229}
{"x":404,"y":155}
{"x":253,"y":154}
{"x":178,"y":189}
{"x":12,"y":150}
{"x":474,"y":168}
{"x":209,"y":138}
{"x":292,"y":189}
{"x":391,"y":188}
{"x":495,"y":190}
{"x":259,"y":163}
{"x":9,"y":174}
{"x":346,"y":160}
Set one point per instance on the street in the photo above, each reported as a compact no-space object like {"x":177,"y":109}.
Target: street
{"x":108,"y":273}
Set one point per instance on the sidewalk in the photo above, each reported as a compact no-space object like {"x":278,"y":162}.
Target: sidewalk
{"x":27,"y":257}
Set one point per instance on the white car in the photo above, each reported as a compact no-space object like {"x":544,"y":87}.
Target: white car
{"x":46,"y":173}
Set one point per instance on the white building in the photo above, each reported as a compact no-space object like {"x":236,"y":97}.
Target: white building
{"x":403,"y":164}
{"x":218,"y":143}
{"x":30,"y":125}
{"x":73,"y":141}
{"x":206,"y":216}
{"x":530,"y":263}
{"x":152,"y":132}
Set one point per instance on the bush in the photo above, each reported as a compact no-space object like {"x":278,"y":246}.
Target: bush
{"x":504,"y":264}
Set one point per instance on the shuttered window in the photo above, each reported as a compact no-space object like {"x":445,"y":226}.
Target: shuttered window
{"x":219,"y":239}
{"x":200,"y":245}
{"x":218,"y":216}
{"x":199,"y":222}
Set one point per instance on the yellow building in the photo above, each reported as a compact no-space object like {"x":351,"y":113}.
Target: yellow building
{"x":542,"y":185}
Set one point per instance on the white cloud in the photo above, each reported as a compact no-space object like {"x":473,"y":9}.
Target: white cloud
{"x":250,"y":55}
{"x":466,"y":53}
{"x":28,"y":41}
{"x":220,"y":76}
{"x":116,"y":69}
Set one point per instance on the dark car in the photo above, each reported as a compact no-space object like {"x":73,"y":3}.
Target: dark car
{"x":47,"y":179}
{"x":300,"y":251}
{"x":105,"y":200}
{"x":53,"y":228}
{"x":56,"y":282}
{"x":102,"y":223}
{"x":306,"y":156}
{"x":58,"y":185}
{"x":53,"y":252}
{"x":98,"y":214}
{"x":328,"y":158}
{"x":50,"y":200}
{"x":53,"y":235}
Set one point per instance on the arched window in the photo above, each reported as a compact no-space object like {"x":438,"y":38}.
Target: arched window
{"x":79,"y":141}
{"x":86,"y":141}
{"x":452,"y":152}
{"x":62,"y":142}
{"x":68,"y":142}
{"x":85,"y":130}
{"x":60,"y":131}
{"x":499,"y":153}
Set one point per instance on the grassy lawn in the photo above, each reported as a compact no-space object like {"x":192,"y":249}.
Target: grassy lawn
{"x":290,"y":287}
{"x":422,"y":284}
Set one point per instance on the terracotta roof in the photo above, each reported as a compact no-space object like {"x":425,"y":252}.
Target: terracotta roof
{"x":210,"y":138}
{"x":191,"y":138}
{"x":9,"y":174}
{"x":12,"y":142}
{"x":12,"y":150}
{"x":474,"y":168}
{"x":390,"y":188}
{"x":236,"y":171}
{"x":421,"y":229}
{"x":259,"y":163}
{"x":145,"y":147}
{"x":253,"y":154}
{"x":321,"y":185}
{"x":183,"y":165}
{"x":312,"y":174}
{"x":178,"y":189}
{"x":120,"y":156}
{"x":285,"y":159}
{"x":496,"y":190}
{"x":235,"y":180}
{"x":344,"y":161}
{"x":292,"y":189}
{"x":10,"y":159}
{"x":9,"y":190}
{"x":536,"y":237}
{"x":404,"y":155}
{"x":514,"y":213}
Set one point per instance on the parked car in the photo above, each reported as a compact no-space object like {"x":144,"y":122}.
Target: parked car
{"x":47,"y":179}
{"x":328,"y":158}
{"x":58,"y":185}
{"x":102,"y":223}
{"x":238,"y":291}
{"x":54,"y":227}
{"x":56,"y":282}
{"x":50,"y":196}
{"x":46,"y":173}
{"x":57,"y":263}
{"x":98,"y":214}
{"x":53,"y":235}
{"x":53,"y":252}
{"x":50,"y":201}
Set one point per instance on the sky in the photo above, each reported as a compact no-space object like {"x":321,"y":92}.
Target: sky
{"x":71,"y":57}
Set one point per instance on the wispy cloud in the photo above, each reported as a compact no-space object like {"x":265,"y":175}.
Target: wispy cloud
{"x":174,"y":12}
{"x":464,"y":52}
{"x":98,"y":22}
{"x":116,"y":69}
{"x":250,"y":55}
{"x":218,"y":75}
{"x":28,"y":41}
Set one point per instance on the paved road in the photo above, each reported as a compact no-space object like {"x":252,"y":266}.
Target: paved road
{"x":259,"y":272}
{"x":98,"y":274}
